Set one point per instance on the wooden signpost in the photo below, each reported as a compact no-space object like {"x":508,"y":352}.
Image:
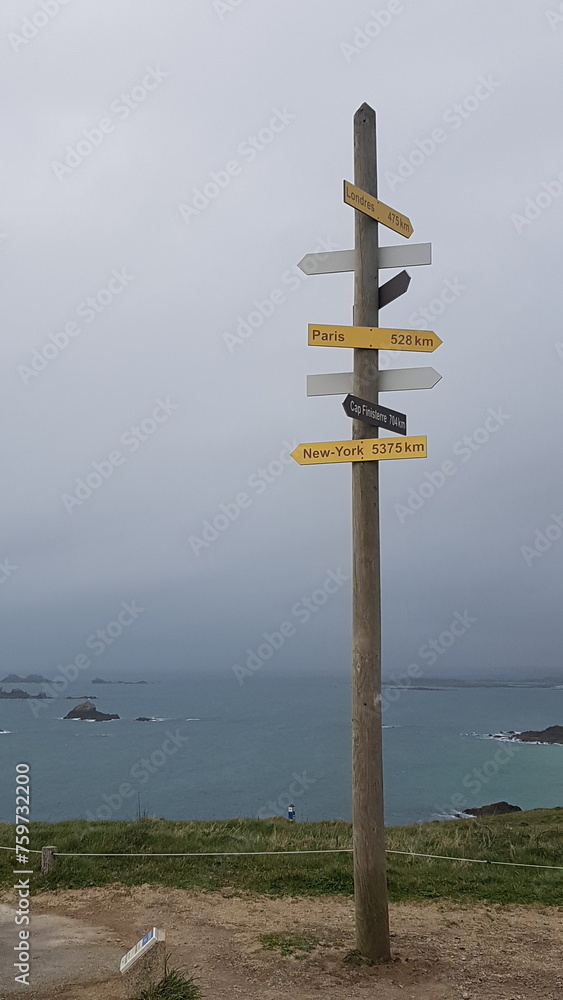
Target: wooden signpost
{"x":364,"y":452}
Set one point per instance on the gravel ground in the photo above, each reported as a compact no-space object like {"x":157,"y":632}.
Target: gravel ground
{"x":440,"y":951}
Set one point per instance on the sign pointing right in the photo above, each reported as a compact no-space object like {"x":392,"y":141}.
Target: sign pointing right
{"x":390,"y":380}
{"x":376,"y":337}
{"x":393,"y":288}
{"x":378,"y":210}
{"x":374,"y":414}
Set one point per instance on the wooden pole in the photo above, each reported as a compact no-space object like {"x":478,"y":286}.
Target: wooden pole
{"x":370,"y":883}
{"x":48,"y":859}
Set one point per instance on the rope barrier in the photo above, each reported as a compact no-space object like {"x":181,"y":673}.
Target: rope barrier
{"x":477,"y":861}
{"x":203,"y":854}
{"x":27,"y":850}
{"x":334,"y":850}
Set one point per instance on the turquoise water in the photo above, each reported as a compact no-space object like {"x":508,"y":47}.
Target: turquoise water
{"x":224,"y":751}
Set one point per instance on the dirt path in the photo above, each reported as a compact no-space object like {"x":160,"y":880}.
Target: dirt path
{"x":61,"y":947}
{"x":441,"y":952}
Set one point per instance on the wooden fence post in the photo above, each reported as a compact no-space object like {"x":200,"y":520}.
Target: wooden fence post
{"x":48,"y":859}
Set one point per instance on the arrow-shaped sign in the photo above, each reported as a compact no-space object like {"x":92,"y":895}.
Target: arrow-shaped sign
{"x":359,"y":450}
{"x":393,"y":288}
{"x":375,"y":414}
{"x":377,"y":210}
{"x":337,"y":261}
{"x":408,"y":255}
{"x":329,"y":262}
{"x":391,"y":380}
{"x":373,"y":337}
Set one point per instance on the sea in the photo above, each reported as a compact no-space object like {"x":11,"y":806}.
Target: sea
{"x":219,"y":750}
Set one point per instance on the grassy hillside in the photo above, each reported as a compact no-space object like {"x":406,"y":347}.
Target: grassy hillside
{"x":534,"y":837}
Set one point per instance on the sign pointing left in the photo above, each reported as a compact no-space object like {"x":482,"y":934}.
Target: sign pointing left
{"x":359,"y":450}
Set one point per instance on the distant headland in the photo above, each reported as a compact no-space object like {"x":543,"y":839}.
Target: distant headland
{"x":100,"y":680}
{"x":552,"y":735}
{"x":30,"y":679}
{"x":419,"y":682}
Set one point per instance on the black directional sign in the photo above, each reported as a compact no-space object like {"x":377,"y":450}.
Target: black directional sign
{"x":374,"y":414}
{"x":393,"y":288}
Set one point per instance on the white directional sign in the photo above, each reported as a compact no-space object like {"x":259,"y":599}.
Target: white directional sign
{"x":337,"y":261}
{"x":331,"y":262}
{"x":406,"y":255}
{"x":392,"y":380}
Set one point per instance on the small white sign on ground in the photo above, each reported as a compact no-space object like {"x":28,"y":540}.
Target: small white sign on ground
{"x":141,"y":948}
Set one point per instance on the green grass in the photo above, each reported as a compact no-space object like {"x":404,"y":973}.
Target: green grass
{"x":174,"y":986}
{"x":298,"y":945}
{"x":534,"y":837}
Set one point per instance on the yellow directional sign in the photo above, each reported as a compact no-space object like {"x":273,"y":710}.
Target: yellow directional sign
{"x":377,"y":210}
{"x":373,"y":336}
{"x":360,"y":450}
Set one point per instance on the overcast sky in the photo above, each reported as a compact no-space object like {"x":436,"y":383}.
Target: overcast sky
{"x":172,"y":162}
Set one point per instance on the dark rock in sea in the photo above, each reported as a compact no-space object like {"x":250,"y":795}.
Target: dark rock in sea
{"x":495,"y":809}
{"x":88,"y":712}
{"x":553,"y":734}
{"x":100,"y":680}
{"x":143,"y":718}
{"x":18,"y":693}
{"x":14,"y":693}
